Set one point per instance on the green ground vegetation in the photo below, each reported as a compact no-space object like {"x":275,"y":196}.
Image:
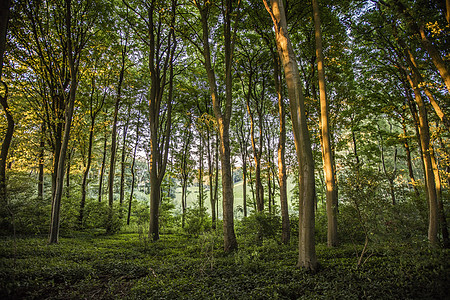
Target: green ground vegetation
{"x":91,"y":265}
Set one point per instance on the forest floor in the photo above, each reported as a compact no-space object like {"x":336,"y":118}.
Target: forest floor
{"x":128,"y":266}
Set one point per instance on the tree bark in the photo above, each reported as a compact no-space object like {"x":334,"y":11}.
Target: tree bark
{"x":41,"y":163}
{"x":133,"y":176}
{"x":307,"y":253}
{"x":56,"y":203}
{"x":330,"y":178}
{"x":210,"y":175}
{"x":427,"y":151}
{"x":112,"y":161}
{"x":4,"y":18}
{"x":102,"y":168}
{"x":223,"y":118}
{"x":285,"y":224}
{"x":122,"y":161}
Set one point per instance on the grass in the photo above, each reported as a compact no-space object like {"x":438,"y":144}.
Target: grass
{"x":128,"y":266}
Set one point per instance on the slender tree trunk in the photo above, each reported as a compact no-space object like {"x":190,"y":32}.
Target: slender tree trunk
{"x":102,"y":168}
{"x":56,"y":203}
{"x":442,"y":217}
{"x":210,"y":174}
{"x":330,"y":179}
{"x":112,"y":161}
{"x":133,"y":176}
{"x":427,"y":152}
{"x":200,"y":173}
{"x":122,"y":161}
{"x":69,"y":161}
{"x":285,"y":224}
{"x":41,"y":163}
{"x":408,"y":156}
{"x":307,"y":253}
{"x":216,"y":178}
{"x":159,"y":133}
{"x":223,"y":119}
{"x":86,"y":173}
{"x":257,"y":157}
{"x":4,"y":18}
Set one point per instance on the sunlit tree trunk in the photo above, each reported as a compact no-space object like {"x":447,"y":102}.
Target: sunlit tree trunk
{"x":307,"y":253}
{"x":427,"y":151}
{"x":330,"y":179}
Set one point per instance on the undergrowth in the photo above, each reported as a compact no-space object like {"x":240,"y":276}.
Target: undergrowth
{"x":128,"y":266}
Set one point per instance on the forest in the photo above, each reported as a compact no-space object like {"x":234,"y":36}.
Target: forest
{"x":224,"y":149}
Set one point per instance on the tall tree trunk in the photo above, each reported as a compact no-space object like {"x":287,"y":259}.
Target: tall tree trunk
{"x":257,"y":152}
{"x":159,"y":133}
{"x":330,"y":178}
{"x":69,"y":161}
{"x":122,"y":161}
{"x":86,"y":173}
{"x":4,"y":18}
{"x":93,"y":115}
{"x":216,"y":175}
{"x":223,"y":118}
{"x":56,"y":203}
{"x":427,"y":151}
{"x":408,"y":155}
{"x":307,"y":253}
{"x":112,"y":161}
{"x":102,"y":167}
{"x":210,"y":175}
{"x":41,"y":163}
{"x":200,"y":173}
{"x":442,"y":217}
{"x":133,"y":176}
{"x":285,"y":225}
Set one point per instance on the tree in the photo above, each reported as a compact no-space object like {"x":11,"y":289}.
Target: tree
{"x":327,"y":153}
{"x":222,"y":116}
{"x":112,"y":163}
{"x":307,"y":254}
{"x":73,"y":56}
{"x":4,"y":18}
{"x":95,"y":103}
{"x":159,"y":27}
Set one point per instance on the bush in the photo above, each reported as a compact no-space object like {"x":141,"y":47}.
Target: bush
{"x":197,"y":221}
{"x":259,"y":226}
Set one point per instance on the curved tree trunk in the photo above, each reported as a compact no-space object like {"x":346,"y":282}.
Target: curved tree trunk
{"x":307,"y":253}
